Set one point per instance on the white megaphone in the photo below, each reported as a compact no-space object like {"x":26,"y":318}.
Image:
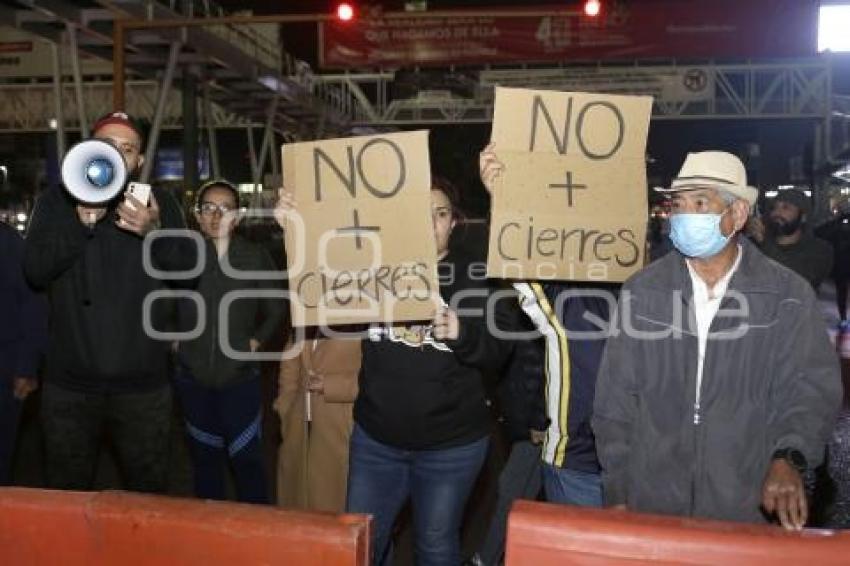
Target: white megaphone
{"x":94,"y":171}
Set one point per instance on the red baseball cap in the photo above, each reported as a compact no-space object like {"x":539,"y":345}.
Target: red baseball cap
{"x":121,"y":118}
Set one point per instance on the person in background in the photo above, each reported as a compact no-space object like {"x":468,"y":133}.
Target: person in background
{"x":561,"y":383}
{"x":786,"y":237}
{"x":522,"y":412}
{"x":23,"y":339}
{"x":105,"y":372}
{"x":220,"y":390}
{"x":315,"y":403}
{"x":837,"y":233}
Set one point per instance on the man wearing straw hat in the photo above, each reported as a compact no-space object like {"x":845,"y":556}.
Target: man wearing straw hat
{"x":719,"y":388}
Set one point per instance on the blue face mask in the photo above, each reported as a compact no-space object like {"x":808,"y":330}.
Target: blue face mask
{"x":697,"y":235}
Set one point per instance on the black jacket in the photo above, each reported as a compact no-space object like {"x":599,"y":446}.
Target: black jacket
{"x":23,"y":334}
{"x":248,"y":317}
{"x":522,"y":401}
{"x":97,"y":286}
{"x":416,"y":393}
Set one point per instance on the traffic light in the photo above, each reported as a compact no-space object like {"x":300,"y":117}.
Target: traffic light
{"x":592,"y":8}
{"x":344,"y":12}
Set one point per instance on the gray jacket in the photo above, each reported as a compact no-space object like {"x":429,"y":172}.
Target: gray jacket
{"x":770,"y":380}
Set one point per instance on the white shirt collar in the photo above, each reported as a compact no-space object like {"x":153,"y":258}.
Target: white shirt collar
{"x":722,"y":284}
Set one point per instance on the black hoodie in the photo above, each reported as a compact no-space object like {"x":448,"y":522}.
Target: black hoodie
{"x":97,"y":286}
{"x":416,"y":393}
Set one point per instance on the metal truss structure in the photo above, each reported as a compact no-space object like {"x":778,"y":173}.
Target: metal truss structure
{"x":799,"y":90}
{"x":792,"y":90}
{"x":780,"y":90}
{"x":776,"y":90}
{"x":837,"y":130}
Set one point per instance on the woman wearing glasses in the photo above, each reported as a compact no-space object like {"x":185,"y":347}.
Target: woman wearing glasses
{"x":217,"y":383}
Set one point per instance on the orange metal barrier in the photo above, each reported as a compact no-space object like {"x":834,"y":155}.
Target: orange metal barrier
{"x":41,"y":527}
{"x":541,"y":534}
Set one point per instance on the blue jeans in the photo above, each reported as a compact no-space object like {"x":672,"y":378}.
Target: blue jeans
{"x":381,"y":478}
{"x":572,"y":487}
{"x":223,"y":425}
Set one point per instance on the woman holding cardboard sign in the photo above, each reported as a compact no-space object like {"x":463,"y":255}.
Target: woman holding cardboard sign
{"x":421,"y":418}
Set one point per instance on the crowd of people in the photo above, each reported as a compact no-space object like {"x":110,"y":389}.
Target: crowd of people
{"x":705,"y":386}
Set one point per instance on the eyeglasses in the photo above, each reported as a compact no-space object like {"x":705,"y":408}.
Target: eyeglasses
{"x":210,"y":208}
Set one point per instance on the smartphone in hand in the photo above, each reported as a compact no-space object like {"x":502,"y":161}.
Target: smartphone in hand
{"x":140,"y":191}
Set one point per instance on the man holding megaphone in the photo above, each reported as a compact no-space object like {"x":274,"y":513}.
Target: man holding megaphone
{"x":105,"y":373}
{"x":92,"y":172}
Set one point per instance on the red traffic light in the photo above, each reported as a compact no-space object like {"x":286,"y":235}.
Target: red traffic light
{"x":592,"y":8}
{"x":345,"y":12}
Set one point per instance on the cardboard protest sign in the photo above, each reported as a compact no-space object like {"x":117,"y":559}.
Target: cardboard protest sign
{"x":361,"y":246}
{"x":571,"y":202}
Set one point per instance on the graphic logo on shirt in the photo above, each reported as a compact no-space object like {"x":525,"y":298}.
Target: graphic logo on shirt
{"x":414,"y":336}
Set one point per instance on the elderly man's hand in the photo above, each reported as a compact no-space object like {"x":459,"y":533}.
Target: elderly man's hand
{"x":137,"y":218}
{"x":783,"y":493}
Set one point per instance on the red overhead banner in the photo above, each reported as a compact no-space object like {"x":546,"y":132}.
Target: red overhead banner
{"x":626,"y":30}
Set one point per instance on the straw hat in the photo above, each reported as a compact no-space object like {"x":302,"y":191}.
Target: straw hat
{"x":714,"y":169}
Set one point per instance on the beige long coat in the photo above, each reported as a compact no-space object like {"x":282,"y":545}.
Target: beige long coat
{"x":313,"y":458}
